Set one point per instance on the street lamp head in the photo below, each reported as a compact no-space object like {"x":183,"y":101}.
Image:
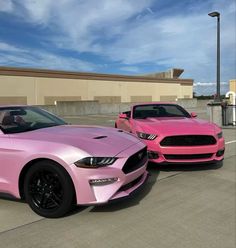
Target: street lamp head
{"x":214,"y":14}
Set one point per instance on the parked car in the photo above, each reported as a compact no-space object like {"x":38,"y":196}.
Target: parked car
{"x":53,"y":165}
{"x":172,"y":134}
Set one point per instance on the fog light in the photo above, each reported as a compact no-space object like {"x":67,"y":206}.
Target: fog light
{"x":153,"y":155}
{"x":220,"y":153}
{"x":103,"y":181}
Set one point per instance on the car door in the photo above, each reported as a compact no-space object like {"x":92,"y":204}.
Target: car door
{"x":5,"y":162}
{"x":125,"y":123}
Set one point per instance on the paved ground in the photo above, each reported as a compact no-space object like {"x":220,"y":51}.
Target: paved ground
{"x":180,"y":207}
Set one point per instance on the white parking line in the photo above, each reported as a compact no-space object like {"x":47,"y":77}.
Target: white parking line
{"x":229,"y":142}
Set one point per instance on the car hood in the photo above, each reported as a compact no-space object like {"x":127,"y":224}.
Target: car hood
{"x":175,"y":126}
{"x":96,"y":141}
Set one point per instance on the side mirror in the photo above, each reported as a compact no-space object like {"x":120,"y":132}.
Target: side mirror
{"x":193,"y":115}
{"x":123,"y":116}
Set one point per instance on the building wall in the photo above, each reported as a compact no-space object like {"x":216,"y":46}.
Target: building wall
{"x":232,"y":87}
{"x":46,"y":89}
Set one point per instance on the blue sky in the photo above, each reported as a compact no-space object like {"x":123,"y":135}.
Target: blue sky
{"x":120,"y":36}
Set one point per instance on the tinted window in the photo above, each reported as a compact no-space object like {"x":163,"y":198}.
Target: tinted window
{"x":159,"y":110}
{"x":128,"y":113}
{"x":22,"y":119}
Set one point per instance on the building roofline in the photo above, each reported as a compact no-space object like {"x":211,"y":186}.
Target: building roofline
{"x":31,"y":72}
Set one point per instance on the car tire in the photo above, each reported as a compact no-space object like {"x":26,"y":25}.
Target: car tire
{"x":49,"y":189}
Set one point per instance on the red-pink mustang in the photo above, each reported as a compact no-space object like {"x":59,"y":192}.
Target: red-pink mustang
{"x":53,"y":165}
{"x":172,"y":134}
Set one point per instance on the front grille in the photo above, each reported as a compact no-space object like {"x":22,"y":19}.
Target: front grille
{"x":131,"y":184}
{"x":135,"y":161}
{"x":188,"y":140}
{"x":187,"y":156}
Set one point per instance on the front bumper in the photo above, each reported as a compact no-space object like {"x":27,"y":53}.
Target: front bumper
{"x":187,"y":154}
{"x":87,"y":194}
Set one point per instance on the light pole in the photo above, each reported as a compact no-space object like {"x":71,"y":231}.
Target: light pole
{"x":217,"y":14}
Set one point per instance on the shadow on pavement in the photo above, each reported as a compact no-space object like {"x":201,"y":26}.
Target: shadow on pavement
{"x":133,"y":200}
{"x":184,"y":167}
{"x":126,"y":202}
{"x":8,"y":197}
{"x":116,"y":205}
{"x":75,"y":210}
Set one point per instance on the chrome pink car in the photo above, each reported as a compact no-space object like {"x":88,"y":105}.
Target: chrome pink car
{"x":172,"y":135}
{"x":53,"y":165}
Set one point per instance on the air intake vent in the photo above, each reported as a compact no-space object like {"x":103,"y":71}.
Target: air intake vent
{"x":188,"y":140}
{"x":136,"y":161}
{"x":100,"y":137}
{"x":187,"y":156}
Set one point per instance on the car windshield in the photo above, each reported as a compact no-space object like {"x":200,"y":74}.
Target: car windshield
{"x":159,"y":110}
{"x":23,"y":119}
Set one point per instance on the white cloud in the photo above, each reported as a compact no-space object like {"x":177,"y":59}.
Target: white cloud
{"x":209,"y":84}
{"x":4,"y":47}
{"x":133,"y":69}
{"x":81,"y":22}
{"x":6,"y":6}
{"x":52,"y":61}
{"x":210,"y":88}
{"x":132,"y":33}
{"x":39,"y":11}
{"x":14,"y":56}
{"x":150,"y":10}
{"x":180,"y":41}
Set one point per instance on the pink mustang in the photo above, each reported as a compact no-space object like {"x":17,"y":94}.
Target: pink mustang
{"x":53,"y":165}
{"x":173,"y":135}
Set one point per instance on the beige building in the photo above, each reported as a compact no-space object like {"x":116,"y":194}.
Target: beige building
{"x":40,"y":87}
{"x":232,"y":87}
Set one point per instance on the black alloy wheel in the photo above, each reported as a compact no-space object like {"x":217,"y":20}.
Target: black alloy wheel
{"x":48,"y":189}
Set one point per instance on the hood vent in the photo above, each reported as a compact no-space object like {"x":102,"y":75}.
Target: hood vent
{"x":100,"y":137}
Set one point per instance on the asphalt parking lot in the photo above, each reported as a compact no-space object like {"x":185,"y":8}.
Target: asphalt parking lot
{"x":180,"y":207}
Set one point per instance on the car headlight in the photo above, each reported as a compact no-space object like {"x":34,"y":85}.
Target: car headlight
{"x":146,"y":136}
{"x":220,"y":135}
{"x":95,"y":162}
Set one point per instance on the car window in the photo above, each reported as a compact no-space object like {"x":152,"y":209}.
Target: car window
{"x":22,"y":119}
{"x":34,"y":116}
{"x":159,"y":110}
{"x":128,"y":113}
